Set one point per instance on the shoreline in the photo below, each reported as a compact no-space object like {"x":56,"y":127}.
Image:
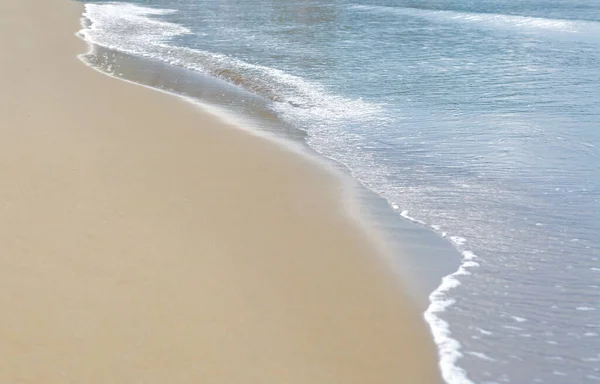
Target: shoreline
{"x":419,"y":256}
{"x":127,"y":257}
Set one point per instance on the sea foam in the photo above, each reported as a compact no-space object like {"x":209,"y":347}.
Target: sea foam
{"x":135,"y":30}
{"x":448,"y":347}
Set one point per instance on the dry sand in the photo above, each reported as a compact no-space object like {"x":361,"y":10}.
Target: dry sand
{"x":145,"y":241}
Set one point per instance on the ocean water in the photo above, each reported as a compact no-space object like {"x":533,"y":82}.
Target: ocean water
{"x":478,"y":120}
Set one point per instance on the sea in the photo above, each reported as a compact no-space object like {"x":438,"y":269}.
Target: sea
{"x":474,"y":124}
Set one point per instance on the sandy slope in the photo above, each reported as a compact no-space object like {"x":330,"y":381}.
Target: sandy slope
{"x":144,"y":241}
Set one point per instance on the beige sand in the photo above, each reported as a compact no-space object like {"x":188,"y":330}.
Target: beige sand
{"x":144,"y":241}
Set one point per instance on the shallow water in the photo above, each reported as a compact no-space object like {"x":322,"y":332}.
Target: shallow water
{"x":479,"y":121}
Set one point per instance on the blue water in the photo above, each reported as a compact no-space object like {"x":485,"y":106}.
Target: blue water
{"x":479,"y":120}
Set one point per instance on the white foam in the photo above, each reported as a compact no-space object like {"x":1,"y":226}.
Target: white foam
{"x":481,"y":356}
{"x":449,"y":349}
{"x":591,"y":359}
{"x":128,"y":27}
{"x":458,"y":240}
{"x":585,"y":309}
{"x":134,"y":30}
{"x":409,"y":217}
{"x":512,"y":327}
{"x":519,"y":319}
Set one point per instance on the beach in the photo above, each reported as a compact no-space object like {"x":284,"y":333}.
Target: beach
{"x":144,"y":240}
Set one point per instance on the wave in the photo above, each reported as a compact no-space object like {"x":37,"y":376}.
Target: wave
{"x":132,"y":29}
{"x":491,"y":20}
{"x":449,"y":349}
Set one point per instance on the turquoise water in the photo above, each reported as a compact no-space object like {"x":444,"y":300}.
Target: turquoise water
{"x":478,"y":120}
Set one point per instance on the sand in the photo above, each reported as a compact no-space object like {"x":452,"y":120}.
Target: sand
{"x":143,"y":240}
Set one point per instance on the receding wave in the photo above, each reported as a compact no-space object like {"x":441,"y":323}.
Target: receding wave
{"x":132,"y":29}
{"x":449,"y":349}
{"x":491,"y":20}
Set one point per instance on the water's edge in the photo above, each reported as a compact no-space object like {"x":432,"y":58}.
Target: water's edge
{"x":473,"y":124}
{"x":426,"y":259}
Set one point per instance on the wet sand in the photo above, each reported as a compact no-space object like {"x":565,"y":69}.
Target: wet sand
{"x":143,"y":240}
